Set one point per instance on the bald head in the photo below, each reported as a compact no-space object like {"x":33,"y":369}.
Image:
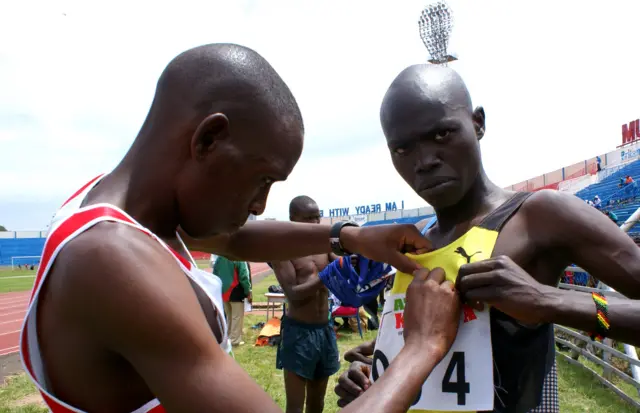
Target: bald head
{"x":224,"y":78}
{"x":431,"y":86}
{"x":304,"y":209}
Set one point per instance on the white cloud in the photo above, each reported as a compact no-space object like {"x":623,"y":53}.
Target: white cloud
{"x":76,"y":79}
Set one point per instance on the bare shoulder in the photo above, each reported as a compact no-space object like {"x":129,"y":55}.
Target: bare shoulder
{"x":113,"y":278}
{"x":554,"y":205}
{"x":556,"y":217}
{"x":108,"y":253}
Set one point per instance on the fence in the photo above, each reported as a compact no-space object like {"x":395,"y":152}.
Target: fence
{"x":587,"y":348}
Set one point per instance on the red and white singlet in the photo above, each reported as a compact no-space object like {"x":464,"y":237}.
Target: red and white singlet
{"x":70,"y":221}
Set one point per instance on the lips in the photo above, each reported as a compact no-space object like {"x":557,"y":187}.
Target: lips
{"x":434,"y":183}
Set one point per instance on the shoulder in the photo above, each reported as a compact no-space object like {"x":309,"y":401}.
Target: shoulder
{"x":556,"y":216}
{"x":110,"y":264}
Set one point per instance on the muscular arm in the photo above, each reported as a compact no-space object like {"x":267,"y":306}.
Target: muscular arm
{"x":266,"y":241}
{"x":361,"y":353}
{"x":591,"y":240}
{"x":286,"y":275}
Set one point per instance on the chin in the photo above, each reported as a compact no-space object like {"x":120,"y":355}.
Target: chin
{"x":442,"y":200}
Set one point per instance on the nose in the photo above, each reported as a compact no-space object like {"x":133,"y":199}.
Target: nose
{"x":259,"y":203}
{"x":427,"y":159}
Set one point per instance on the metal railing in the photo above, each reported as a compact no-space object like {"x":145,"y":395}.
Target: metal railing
{"x":588,"y":349}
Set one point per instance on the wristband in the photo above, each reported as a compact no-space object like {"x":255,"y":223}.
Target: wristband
{"x":334,"y":237}
{"x":602,"y":316}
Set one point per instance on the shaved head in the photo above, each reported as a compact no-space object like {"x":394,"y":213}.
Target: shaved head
{"x":425,"y":83}
{"x":225,"y":78}
{"x":224,"y":126}
{"x":432,"y":132}
{"x":304,"y":209}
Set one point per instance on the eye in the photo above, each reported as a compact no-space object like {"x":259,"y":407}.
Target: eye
{"x":442,"y":135}
{"x":401,"y":150}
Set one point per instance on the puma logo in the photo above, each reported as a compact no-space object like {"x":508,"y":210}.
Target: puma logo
{"x":462,"y":252}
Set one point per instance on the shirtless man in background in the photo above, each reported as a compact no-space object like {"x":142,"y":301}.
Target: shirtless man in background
{"x":308,"y":352}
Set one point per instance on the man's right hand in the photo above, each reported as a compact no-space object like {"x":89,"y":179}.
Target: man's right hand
{"x":353,"y":382}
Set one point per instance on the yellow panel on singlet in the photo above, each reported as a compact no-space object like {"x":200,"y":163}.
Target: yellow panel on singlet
{"x":475,"y":245}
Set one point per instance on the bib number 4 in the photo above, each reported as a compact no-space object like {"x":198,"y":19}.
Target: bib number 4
{"x":460,"y":386}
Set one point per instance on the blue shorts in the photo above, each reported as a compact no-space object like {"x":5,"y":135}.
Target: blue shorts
{"x":308,"y":350}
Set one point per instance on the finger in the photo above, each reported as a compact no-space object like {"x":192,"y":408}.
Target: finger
{"x":437,"y":275}
{"x":479,"y":266}
{"x":421,"y":275}
{"x":349,"y":386}
{"x":478,"y":280}
{"x":344,"y":402}
{"x":403,"y":263}
{"x":359,"y":376}
{"x":414,"y":240}
{"x":483,"y":294}
{"x":447,"y":285}
{"x":363,"y":359}
{"x":344,"y":394}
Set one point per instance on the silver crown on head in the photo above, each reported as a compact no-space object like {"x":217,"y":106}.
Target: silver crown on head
{"x":436,"y":24}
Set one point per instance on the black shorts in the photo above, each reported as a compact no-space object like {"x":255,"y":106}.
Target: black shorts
{"x":308,"y":350}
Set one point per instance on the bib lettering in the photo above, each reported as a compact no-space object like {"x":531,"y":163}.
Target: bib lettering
{"x":463,"y":380}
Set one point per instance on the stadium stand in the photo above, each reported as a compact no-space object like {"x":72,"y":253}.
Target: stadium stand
{"x":623,"y":201}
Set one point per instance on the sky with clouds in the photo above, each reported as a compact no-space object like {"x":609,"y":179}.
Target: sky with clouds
{"x":556,"y":78}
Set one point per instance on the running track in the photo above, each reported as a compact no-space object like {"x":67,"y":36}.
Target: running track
{"x":13,"y":307}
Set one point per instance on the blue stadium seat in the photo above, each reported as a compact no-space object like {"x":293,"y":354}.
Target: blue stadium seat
{"x":608,"y":189}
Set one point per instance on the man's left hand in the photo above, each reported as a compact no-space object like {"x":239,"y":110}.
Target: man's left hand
{"x":387,"y":244}
{"x":502,"y":284}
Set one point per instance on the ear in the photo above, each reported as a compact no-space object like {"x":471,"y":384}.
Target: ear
{"x":213,"y":129}
{"x":478,"y":121}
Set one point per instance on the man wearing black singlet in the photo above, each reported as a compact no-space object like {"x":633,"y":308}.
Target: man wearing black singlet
{"x":433,"y":134}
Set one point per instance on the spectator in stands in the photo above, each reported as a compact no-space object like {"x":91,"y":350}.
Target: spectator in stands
{"x":628,"y":180}
{"x":236,"y":286}
{"x":596,"y":201}
{"x":621,"y":183}
{"x":612,"y":216}
{"x":598,"y":163}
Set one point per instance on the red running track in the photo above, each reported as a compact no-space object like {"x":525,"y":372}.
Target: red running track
{"x":13,"y":307}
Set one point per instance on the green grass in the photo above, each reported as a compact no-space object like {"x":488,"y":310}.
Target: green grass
{"x":16,"y":280}
{"x":579,"y":391}
{"x":262,"y":287}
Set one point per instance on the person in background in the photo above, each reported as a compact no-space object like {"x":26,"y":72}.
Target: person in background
{"x":628,"y":180}
{"x":236,"y":286}
{"x":599,"y":163}
{"x":612,"y":216}
{"x":597,"y":201}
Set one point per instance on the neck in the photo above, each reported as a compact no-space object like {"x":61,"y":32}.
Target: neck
{"x":143,"y":189}
{"x":480,"y":199}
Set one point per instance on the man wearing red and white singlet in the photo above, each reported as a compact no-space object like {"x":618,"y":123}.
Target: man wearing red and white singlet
{"x":121,"y":320}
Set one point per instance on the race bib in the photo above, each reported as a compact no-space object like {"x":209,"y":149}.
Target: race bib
{"x":463,"y":380}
